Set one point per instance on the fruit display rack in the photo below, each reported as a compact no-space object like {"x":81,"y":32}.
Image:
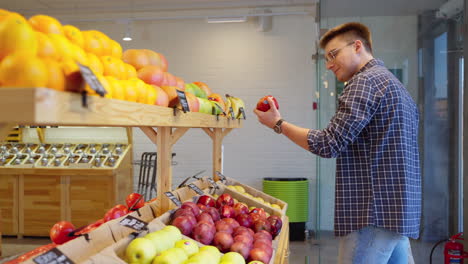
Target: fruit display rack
{"x":43,"y":106}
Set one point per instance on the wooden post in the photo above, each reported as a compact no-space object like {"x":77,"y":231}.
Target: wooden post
{"x":217,"y":135}
{"x":164,"y":167}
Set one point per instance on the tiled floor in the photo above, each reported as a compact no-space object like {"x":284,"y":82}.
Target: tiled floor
{"x":323,"y":251}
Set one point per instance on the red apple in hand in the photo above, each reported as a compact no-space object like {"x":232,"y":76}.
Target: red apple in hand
{"x":263,"y":104}
{"x":135,"y":201}
{"x":115,"y":212}
{"x":224,"y":199}
{"x":206,"y":201}
{"x":59,"y":232}
{"x":240,"y":208}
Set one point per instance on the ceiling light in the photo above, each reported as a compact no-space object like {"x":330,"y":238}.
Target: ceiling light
{"x":128,"y":33}
{"x":226,"y":19}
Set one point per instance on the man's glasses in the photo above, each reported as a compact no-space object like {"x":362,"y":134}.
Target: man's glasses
{"x":331,"y":55}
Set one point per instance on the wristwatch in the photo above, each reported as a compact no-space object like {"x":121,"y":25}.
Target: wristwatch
{"x":277,"y":127}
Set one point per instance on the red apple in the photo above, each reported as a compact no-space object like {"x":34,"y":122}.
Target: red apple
{"x":276,"y":224}
{"x":135,"y":201}
{"x":263,"y":104}
{"x":261,"y":225}
{"x":240,"y":208}
{"x":115,"y":212}
{"x":241,"y":248}
{"x":246,"y":239}
{"x":263,"y":234}
{"x":59,"y":232}
{"x":184,"y":224}
{"x":255,"y":217}
{"x":203,"y":232}
{"x":223,"y":241}
{"x":226,"y":211}
{"x":193,"y":206}
{"x":206,"y":200}
{"x":231,"y":221}
{"x":224,"y":199}
{"x":243,"y":230}
{"x":265,"y":245}
{"x":259,"y":211}
{"x":181,"y":211}
{"x":222,"y":226}
{"x":205,"y":217}
{"x":260,"y":255}
{"x":214,"y":213}
{"x":245,"y":220}
{"x":262,"y":241}
{"x":201,"y":207}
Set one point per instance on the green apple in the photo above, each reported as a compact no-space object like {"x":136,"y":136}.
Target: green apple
{"x":218,"y":110}
{"x":205,"y":106}
{"x":239,"y":188}
{"x":159,"y":241}
{"x":174,"y":231}
{"x":141,"y":251}
{"x":171,"y":256}
{"x":276,"y":206}
{"x":212,"y":251}
{"x":199,"y":92}
{"x":203,"y":258}
{"x":233,"y":257}
{"x":189,"y":246}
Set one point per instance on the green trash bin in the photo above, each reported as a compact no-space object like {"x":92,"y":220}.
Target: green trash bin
{"x":295,"y":192}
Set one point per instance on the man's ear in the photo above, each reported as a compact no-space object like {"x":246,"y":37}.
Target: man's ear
{"x":358,"y":46}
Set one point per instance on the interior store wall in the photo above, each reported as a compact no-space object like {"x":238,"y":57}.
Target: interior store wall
{"x":237,"y":59}
{"x":398,"y":50}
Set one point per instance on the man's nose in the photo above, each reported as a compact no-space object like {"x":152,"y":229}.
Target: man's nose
{"x":329,"y":65}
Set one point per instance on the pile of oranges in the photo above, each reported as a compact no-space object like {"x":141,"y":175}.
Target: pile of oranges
{"x":41,"y":52}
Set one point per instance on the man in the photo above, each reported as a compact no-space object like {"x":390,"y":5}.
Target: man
{"x":373,"y":135}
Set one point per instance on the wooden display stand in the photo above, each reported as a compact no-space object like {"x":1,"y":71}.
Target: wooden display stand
{"x":164,"y":126}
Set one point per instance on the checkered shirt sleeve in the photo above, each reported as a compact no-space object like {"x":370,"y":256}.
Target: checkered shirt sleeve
{"x":373,"y":135}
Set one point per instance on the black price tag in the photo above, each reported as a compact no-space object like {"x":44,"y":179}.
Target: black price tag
{"x":221,"y":176}
{"x":220,"y":108}
{"x":183,"y":101}
{"x":241,"y":111}
{"x":231,"y":111}
{"x":173,"y":198}
{"x":92,"y":80}
{"x":196,"y":189}
{"x":53,"y":256}
{"x":213,"y":183}
{"x":134,"y":223}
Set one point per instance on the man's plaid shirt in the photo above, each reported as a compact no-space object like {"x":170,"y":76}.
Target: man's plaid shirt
{"x":374,"y":136}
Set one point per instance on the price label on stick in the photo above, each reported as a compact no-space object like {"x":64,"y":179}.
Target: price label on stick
{"x":53,"y":256}
{"x":196,"y":189}
{"x":242,"y":112}
{"x":231,"y":111}
{"x":213,"y":183}
{"x":183,"y":101}
{"x":92,"y":80}
{"x":221,"y":176}
{"x":134,"y":223}
{"x":173,"y":198}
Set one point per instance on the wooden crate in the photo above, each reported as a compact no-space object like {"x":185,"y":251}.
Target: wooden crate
{"x":9,"y":205}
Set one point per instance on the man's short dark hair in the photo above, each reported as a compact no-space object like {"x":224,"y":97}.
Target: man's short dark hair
{"x":349,"y":32}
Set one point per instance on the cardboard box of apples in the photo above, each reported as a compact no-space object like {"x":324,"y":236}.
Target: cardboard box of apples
{"x":77,"y":244}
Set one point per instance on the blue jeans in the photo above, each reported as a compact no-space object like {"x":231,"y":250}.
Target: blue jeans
{"x":373,"y":245}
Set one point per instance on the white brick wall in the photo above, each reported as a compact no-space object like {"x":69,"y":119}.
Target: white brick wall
{"x":237,"y":59}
